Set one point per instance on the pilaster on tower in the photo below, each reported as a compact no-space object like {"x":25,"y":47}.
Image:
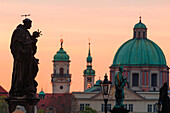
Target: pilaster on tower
{"x":61,"y":77}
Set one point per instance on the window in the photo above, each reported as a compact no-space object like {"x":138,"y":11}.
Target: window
{"x":144,"y":34}
{"x":154,"y":80}
{"x":134,"y":34}
{"x":154,"y":108}
{"x":50,"y":108}
{"x":89,"y":79}
{"x":102,"y":107}
{"x":135,"y":79}
{"x":54,"y":71}
{"x":149,"y":108}
{"x":138,"y":34}
{"x":87,"y":104}
{"x":131,"y":107}
{"x":82,"y":106}
{"x":109,"y":106}
{"x":61,"y":71}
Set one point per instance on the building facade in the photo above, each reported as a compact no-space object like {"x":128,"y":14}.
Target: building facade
{"x":136,"y":102}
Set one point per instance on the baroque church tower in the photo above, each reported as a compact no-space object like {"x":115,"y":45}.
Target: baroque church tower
{"x":89,"y":73}
{"x":61,"y":78}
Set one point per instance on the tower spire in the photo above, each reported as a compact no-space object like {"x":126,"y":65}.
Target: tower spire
{"x":140,"y":19}
{"x":61,"y":40}
{"x":89,"y":73}
{"x":89,"y":47}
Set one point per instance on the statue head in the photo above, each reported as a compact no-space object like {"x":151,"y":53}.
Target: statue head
{"x":121,"y":68}
{"x":27,"y":23}
{"x":165,"y":85}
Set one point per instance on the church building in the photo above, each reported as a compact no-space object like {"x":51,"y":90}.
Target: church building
{"x":146,"y":70}
{"x":144,"y":66}
{"x":143,"y":61}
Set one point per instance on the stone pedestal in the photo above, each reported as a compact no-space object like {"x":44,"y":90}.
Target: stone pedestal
{"x":28,"y":103}
{"x":119,"y":110}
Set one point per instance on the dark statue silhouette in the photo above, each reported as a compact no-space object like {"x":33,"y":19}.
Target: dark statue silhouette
{"x":120,"y":83}
{"x":164,"y":99}
{"x":23,"y":48}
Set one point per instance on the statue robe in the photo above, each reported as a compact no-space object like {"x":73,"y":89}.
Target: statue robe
{"x":22,"y":51}
{"x":119,"y":84}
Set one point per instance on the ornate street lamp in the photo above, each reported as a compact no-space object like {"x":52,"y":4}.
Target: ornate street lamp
{"x":106,"y":90}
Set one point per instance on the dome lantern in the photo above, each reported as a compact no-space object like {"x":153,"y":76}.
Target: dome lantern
{"x":41,"y":94}
{"x":140,"y":30}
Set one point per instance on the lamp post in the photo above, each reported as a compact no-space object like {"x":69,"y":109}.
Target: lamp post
{"x":106,"y":90}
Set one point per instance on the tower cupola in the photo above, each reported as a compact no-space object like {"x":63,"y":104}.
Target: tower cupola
{"x":61,"y":54}
{"x":41,"y":94}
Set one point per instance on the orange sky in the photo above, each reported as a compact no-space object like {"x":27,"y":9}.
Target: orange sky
{"x":109,"y":23}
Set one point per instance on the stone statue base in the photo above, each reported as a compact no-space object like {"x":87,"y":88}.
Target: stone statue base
{"x":28,"y":103}
{"x":119,"y":110}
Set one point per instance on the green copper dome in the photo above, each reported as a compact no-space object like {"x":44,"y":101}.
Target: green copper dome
{"x":61,"y":56}
{"x":139,"y":52}
{"x":89,"y":59}
{"x":140,"y":25}
{"x":89,"y":71}
{"x":41,"y":93}
{"x":98,"y":83}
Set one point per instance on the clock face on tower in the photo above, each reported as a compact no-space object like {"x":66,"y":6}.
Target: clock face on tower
{"x":89,"y":79}
{"x":88,"y":85}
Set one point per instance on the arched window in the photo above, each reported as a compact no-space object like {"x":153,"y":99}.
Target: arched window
{"x":138,"y":34}
{"x":134,"y":34}
{"x":135,"y":79}
{"x":154,"y":80}
{"x":61,"y":71}
{"x":144,"y":34}
{"x":54,"y":71}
